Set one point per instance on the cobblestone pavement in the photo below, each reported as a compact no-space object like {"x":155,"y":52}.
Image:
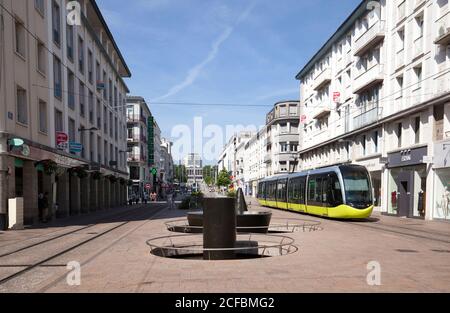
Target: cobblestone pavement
{"x":414,"y":256}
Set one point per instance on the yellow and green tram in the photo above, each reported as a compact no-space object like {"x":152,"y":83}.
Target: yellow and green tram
{"x":342,"y":192}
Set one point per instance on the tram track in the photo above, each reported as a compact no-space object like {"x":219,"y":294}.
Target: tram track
{"x":41,"y":262}
{"x":96,"y":222}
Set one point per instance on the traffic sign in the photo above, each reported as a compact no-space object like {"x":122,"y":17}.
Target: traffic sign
{"x":75,"y":147}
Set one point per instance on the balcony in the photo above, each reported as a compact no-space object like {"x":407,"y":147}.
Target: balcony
{"x":288,"y":137}
{"x":372,"y":37}
{"x":286,"y":156}
{"x":368,"y":79}
{"x":135,"y":158}
{"x":365,"y":118}
{"x":323,"y":110}
{"x":442,"y":83}
{"x":443,"y":38}
{"x":322,"y":79}
{"x":268,"y":159}
{"x":267,"y":141}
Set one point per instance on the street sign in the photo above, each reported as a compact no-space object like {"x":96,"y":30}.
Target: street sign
{"x":62,"y":141}
{"x":303,"y":119}
{"x":75,"y":147}
{"x":336,"y":96}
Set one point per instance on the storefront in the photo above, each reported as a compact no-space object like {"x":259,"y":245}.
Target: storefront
{"x":375,"y":168}
{"x":441,"y":167}
{"x":407,"y":176}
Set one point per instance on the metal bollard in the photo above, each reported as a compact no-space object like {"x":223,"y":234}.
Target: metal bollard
{"x":219,"y":228}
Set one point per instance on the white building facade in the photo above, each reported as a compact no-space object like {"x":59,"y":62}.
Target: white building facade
{"x":377,"y":94}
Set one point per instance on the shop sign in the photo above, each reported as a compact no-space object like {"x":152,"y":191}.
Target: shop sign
{"x":408,"y":157}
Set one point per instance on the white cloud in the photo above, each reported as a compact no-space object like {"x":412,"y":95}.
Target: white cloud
{"x":195,"y":71}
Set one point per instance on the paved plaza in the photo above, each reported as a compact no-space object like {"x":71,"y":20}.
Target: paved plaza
{"x":414,"y":256}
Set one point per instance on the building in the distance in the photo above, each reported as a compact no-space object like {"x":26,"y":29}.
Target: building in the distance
{"x":194,"y":170}
{"x":282,"y":138}
{"x":167,"y":169}
{"x":62,"y":95}
{"x":138,"y":119}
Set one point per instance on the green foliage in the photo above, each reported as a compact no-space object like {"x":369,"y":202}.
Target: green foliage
{"x":185,"y":204}
{"x":180,"y":173}
{"x":224,"y":179}
{"x":231,"y":194}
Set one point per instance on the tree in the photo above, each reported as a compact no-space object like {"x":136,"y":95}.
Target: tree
{"x":209,"y":174}
{"x":180,"y":173}
{"x":224,"y":179}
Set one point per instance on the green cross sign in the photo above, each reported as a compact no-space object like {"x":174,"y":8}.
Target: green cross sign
{"x":154,"y":171}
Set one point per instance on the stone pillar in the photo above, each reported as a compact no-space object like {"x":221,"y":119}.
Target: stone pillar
{"x":101,"y":194}
{"x":85,"y":188}
{"x":75,"y":199}
{"x":94,"y":196}
{"x":30,"y":193}
{"x":63,"y":196}
{"x":49,"y":183}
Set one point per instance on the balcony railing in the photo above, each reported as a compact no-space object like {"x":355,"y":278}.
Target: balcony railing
{"x":373,"y":36}
{"x":366,"y":118}
{"x":369,"y":78}
{"x":443,"y":37}
{"x":322,"y":79}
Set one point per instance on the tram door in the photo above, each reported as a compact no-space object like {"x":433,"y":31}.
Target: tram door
{"x":405,"y":183}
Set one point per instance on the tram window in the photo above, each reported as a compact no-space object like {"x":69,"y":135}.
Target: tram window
{"x":312,"y":189}
{"x":318,"y":191}
{"x":324,"y":189}
{"x":301,"y":197}
{"x":281,"y":191}
{"x":335,"y":191}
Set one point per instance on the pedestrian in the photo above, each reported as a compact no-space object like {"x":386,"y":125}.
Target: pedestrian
{"x":170,"y":201}
{"x":130,"y":200}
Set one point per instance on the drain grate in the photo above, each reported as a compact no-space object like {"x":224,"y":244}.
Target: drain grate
{"x":407,"y":251}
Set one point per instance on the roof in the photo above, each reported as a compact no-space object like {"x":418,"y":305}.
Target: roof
{"x":340,"y":32}
{"x":111,"y":37}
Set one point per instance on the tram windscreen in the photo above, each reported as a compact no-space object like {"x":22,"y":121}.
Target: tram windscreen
{"x":358,"y":192}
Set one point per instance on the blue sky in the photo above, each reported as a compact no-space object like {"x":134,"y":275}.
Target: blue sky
{"x":219,"y":51}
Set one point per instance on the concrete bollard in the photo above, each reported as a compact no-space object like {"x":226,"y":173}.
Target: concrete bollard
{"x":219,"y":228}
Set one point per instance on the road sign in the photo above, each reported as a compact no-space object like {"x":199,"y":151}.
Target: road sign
{"x":336,"y":96}
{"x":75,"y":147}
{"x":62,"y":141}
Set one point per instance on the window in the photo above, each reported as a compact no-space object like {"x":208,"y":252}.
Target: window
{"x":71,"y":90}
{"x":22,"y":109}
{"x":105,"y":120}
{"x":69,"y":31}
{"x":43,"y":117}
{"x":81,"y":55}
{"x":82,"y":99}
{"x":417,"y":130}
{"x":40,"y":6}
{"x":99,"y":115}
{"x":72,"y":135}
{"x":41,"y":58}
{"x":110,"y":93}
{"x":82,"y":142}
{"x":58,"y":121}
{"x":105,"y":90}
{"x":90,"y":67}
{"x":401,"y":40}
{"x":420,"y":22}
{"x":400,"y":86}
{"x":56,"y":21}
{"x":283,"y":147}
{"x":20,"y":39}
{"x":57,"y":78}
{"x":335,"y":190}
{"x":399,"y":134}
{"x":91,"y":107}
{"x":418,"y":73}
{"x":293,"y":110}
{"x":363,"y":145}
{"x":283,"y":111}
{"x":110,"y":124}
{"x":375,"y":142}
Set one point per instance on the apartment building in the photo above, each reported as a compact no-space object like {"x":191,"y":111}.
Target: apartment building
{"x":139,"y":165}
{"x":254,"y":166}
{"x":194,"y":170}
{"x":167,"y":170}
{"x":61,"y":82}
{"x":377,"y":94}
{"x":282,"y":138}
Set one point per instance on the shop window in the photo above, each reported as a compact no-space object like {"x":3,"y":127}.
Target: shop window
{"x":442,"y":195}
